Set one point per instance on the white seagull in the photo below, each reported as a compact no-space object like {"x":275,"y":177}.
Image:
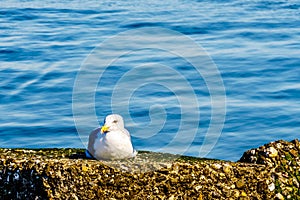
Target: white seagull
{"x":112,"y":141}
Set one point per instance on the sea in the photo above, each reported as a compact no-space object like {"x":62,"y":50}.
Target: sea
{"x":209,"y":78}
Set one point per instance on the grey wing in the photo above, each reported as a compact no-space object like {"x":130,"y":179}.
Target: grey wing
{"x":92,"y":138}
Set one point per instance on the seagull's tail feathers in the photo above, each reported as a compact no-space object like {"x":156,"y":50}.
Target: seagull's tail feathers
{"x":134,"y":153}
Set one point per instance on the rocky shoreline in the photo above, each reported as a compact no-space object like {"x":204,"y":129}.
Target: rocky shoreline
{"x":271,"y":171}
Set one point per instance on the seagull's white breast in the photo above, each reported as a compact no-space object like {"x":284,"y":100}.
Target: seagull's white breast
{"x":113,"y":145}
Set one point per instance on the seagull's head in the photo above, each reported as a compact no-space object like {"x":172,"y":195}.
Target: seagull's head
{"x":112,"y":122}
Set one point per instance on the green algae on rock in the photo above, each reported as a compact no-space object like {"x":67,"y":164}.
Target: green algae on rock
{"x":66,"y":173}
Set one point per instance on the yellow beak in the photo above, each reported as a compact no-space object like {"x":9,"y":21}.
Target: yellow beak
{"x":104,"y":129}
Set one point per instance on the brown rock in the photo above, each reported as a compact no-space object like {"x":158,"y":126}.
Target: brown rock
{"x":67,"y":174}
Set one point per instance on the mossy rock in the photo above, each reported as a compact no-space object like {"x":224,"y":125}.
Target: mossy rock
{"x":285,"y":166}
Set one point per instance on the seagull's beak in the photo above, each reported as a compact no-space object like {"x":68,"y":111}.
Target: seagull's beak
{"x":104,"y":129}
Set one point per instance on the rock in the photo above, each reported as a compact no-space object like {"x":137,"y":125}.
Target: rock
{"x":243,"y":194}
{"x":271,"y":187}
{"x":268,"y":172}
{"x":227,"y":169}
{"x":271,"y":152}
{"x":279,"y":196}
{"x":283,"y":159}
{"x":240,"y":183}
{"x":236,"y":194}
{"x":294,"y":152}
{"x":216,"y":166}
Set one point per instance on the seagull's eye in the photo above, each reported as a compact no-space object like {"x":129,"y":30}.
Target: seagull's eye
{"x":115,"y":121}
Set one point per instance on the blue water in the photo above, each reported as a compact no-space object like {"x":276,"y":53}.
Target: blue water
{"x":254,"y":44}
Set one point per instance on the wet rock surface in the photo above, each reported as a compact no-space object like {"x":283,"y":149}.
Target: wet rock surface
{"x":268,"y":172}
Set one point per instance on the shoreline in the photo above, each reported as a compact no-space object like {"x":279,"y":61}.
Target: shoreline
{"x":271,"y":171}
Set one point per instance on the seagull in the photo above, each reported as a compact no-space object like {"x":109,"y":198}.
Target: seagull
{"x":110,"y":142}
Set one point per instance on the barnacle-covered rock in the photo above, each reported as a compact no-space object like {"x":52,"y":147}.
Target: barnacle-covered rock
{"x":284,"y":159}
{"x":67,"y":174}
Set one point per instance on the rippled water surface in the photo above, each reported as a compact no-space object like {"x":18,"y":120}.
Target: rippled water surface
{"x":254,"y":44}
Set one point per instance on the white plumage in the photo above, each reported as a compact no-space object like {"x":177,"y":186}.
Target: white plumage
{"x":112,"y":141}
